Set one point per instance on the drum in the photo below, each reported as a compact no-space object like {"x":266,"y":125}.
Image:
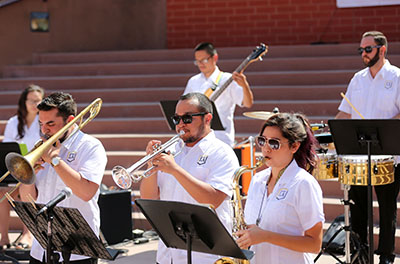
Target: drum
{"x":326,"y":167}
{"x":353,"y":170}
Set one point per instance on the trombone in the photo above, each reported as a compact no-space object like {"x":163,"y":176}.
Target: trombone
{"x":22,"y":167}
{"x":124,"y":177}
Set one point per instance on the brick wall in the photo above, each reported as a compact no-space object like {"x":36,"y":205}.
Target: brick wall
{"x":275,"y":22}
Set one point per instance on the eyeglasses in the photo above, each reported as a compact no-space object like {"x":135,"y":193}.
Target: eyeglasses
{"x":203,"y":61}
{"x":186,"y":119}
{"x":33,"y":102}
{"x":273,"y":143}
{"x":367,"y":49}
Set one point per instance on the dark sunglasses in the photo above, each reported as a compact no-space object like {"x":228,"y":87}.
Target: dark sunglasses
{"x":367,"y":49}
{"x":186,"y":119}
{"x":273,"y":143}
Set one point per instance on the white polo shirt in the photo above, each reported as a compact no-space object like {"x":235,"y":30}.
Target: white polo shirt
{"x":210,"y":161}
{"x":32,"y":134}
{"x":374,"y":98}
{"x":294,"y":206}
{"x":86,"y":155}
{"x":225,"y":103}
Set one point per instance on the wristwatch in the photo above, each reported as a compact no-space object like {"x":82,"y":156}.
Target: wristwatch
{"x":55,"y":161}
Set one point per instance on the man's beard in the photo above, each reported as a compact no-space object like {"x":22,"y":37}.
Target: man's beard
{"x":196,"y":137}
{"x":373,"y":61}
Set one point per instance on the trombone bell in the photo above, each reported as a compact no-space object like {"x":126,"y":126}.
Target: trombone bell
{"x":20,"y":168}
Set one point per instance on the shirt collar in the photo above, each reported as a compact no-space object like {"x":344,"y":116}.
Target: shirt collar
{"x":382,"y":72}
{"x":289,"y":172}
{"x":213,"y":76}
{"x":202,"y":144}
{"x":68,"y":142}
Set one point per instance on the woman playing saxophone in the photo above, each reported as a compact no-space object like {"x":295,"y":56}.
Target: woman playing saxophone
{"x":284,"y":209}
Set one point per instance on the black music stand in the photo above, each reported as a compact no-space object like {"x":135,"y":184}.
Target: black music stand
{"x":168,"y":109}
{"x":5,"y":148}
{"x":70,"y":233}
{"x":366,"y":137}
{"x":191,"y":227}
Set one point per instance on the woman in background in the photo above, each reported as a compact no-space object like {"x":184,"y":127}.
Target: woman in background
{"x":284,"y":206}
{"x":21,"y":128}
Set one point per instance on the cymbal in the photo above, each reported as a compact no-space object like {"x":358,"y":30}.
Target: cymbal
{"x":263,"y":115}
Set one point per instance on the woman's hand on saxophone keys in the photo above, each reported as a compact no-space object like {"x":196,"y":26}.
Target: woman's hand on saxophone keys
{"x":249,"y":236}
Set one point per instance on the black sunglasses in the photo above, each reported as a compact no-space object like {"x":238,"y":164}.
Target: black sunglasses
{"x":186,"y":118}
{"x":273,"y":143}
{"x":367,"y":49}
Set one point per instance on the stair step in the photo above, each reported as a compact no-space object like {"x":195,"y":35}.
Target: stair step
{"x":83,"y":97}
{"x":172,"y":67}
{"x":176,"y":80}
{"x":187,"y":54}
{"x":153,"y":109}
{"x":142,"y":125}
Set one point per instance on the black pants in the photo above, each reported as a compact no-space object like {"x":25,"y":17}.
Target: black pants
{"x":83,"y":261}
{"x":387,"y":200}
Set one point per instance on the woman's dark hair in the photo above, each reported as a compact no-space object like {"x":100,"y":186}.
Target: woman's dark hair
{"x":22,"y":112}
{"x":296,"y":128}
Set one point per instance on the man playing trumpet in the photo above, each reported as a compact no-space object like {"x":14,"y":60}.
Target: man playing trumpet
{"x":201,"y":173}
{"x":76,"y":160}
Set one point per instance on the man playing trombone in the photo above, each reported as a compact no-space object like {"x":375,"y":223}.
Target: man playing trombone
{"x":201,"y":173}
{"x":76,"y":160}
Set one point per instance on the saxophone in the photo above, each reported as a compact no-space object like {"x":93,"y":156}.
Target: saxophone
{"x":238,"y":213}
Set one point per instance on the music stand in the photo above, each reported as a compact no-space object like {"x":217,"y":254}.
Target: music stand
{"x":191,"y":227}
{"x":5,"y":148}
{"x":168,"y":109}
{"x":366,"y":137}
{"x":71,"y":234}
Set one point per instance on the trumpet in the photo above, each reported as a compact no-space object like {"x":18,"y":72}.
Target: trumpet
{"x":22,"y":167}
{"x":123,"y":178}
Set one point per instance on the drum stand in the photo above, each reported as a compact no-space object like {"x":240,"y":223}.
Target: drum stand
{"x":350,"y":239}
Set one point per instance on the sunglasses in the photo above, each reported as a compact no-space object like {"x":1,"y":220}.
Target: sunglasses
{"x":186,"y":119}
{"x":368,"y":49}
{"x":273,"y":143}
{"x":203,"y":61}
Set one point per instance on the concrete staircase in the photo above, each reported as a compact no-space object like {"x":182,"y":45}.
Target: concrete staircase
{"x":302,"y":78}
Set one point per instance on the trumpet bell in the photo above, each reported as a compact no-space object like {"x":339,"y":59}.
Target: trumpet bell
{"x":121,"y":177}
{"x":20,"y":168}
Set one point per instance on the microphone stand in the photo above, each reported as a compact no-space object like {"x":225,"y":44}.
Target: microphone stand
{"x":52,"y":257}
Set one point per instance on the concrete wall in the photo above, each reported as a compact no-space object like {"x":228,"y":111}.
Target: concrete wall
{"x":81,"y":25}
{"x":275,"y":22}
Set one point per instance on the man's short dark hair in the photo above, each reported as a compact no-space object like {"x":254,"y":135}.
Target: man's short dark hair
{"x":62,"y":101}
{"x":379,"y":38}
{"x":203,"y":103}
{"x":207,"y":46}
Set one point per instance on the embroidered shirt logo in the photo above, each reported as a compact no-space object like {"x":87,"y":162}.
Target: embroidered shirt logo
{"x":388,"y":84}
{"x":71,"y":156}
{"x":282,"y":194}
{"x":202,"y":160}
